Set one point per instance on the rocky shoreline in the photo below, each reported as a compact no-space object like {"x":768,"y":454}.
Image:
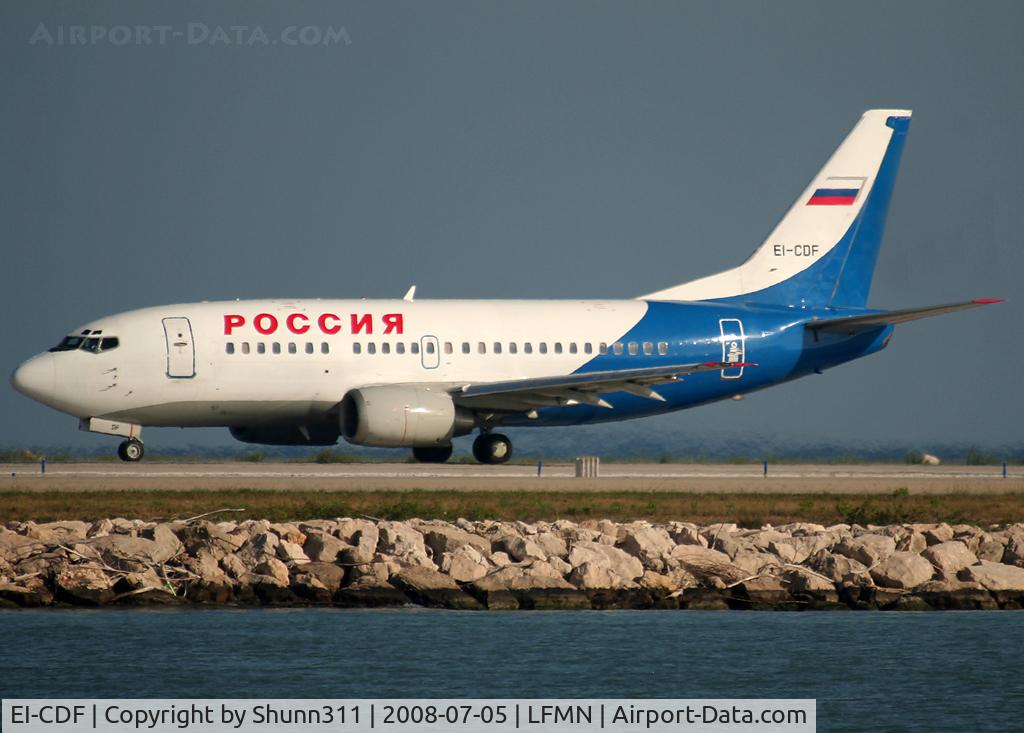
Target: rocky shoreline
{"x":511,"y":565}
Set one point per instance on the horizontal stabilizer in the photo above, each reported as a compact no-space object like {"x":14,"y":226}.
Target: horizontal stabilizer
{"x":855,"y":324}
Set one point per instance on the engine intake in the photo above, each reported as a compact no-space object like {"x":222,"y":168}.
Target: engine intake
{"x":399,"y":416}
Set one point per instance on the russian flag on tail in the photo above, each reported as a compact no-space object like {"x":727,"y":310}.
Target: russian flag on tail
{"x":836,"y":192}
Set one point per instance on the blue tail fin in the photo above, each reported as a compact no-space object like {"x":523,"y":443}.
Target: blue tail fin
{"x":824,"y":250}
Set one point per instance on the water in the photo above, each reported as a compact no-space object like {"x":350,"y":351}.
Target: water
{"x":869,"y":671}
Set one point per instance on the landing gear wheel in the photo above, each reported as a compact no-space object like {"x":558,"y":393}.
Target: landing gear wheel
{"x":131,"y":451}
{"x":432,"y":453}
{"x":492,"y":448}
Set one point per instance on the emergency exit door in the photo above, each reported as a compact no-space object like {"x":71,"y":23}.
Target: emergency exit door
{"x":181,"y":353}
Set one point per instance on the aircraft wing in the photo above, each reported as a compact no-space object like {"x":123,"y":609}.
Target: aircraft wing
{"x":574,"y":389}
{"x":855,"y":324}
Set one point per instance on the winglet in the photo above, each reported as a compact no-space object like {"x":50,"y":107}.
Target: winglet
{"x":410,"y":294}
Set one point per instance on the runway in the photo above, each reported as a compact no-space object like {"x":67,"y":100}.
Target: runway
{"x":691,"y":478}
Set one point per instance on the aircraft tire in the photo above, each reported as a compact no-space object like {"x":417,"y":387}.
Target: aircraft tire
{"x":432,"y":453}
{"x":131,"y":451}
{"x":492,"y":448}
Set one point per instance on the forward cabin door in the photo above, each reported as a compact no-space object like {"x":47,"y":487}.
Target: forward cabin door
{"x":430,"y":353}
{"x":181,"y":352}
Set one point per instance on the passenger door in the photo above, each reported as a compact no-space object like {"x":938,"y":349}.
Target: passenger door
{"x":181,"y":354}
{"x":734,"y":346}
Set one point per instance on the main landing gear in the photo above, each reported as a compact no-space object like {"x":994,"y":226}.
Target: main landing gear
{"x":131,"y":450}
{"x":493,"y":448}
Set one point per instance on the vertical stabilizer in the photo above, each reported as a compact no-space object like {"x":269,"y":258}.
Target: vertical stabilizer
{"x":824,"y":250}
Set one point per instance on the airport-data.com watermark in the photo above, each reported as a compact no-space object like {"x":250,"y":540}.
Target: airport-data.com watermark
{"x":189,"y":34}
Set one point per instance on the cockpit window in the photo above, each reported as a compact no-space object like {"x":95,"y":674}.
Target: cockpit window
{"x":92,"y":344}
{"x":70,"y":343}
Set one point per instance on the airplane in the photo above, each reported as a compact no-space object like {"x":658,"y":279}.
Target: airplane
{"x":418,"y":373}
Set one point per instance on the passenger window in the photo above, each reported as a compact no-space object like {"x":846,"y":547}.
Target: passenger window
{"x":527,"y":348}
{"x":512,"y":347}
{"x":663,"y":348}
{"x":230,"y":348}
{"x":400,"y":347}
{"x":357,"y":348}
{"x":291,"y":348}
{"x":429,"y":346}
{"x":465,"y":347}
{"x":276,"y":348}
{"x":588,"y":348}
{"x":309,"y":347}
{"x":497,"y":347}
{"x":634,"y":348}
{"x":447,"y":347}
{"x":602,"y":348}
{"x":261,"y":348}
{"x":481,"y":348}
{"x":325,"y":348}
{"x":245,"y":347}
{"x":371,"y":348}
{"x":385,"y":348}
{"x":648,"y":348}
{"x":414,"y":347}
{"x":572,"y":348}
{"x":109,"y":344}
{"x":558,"y":347}
{"x":542,"y":347}
{"x":617,"y":348}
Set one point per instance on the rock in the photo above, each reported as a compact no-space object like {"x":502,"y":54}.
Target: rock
{"x":686,"y":534}
{"x":322,"y":547}
{"x":763,"y":592}
{"x":912,"y":542}
{"x":837,"y":567}
{"x":990,"y":547}
{"x":706,"y":564}
{"x":404,"y":544}
{"x":1006,"y":580}
{"x":28,"y":593}
{"x":203,"y":535}
{"x":143,"y":589}
{"x":903,"y":570}
{"x":500,"y":559}
{"x":370,"y":592}
{"x":938,"y":533}
{"x":537,"y":586}
{"x":443,"y":539}
{"x":624,"y":567}
{"x":949,"y":557}
{"x":310,"y":588}
{"x":65,"y":531}
{"x":703,"y":599}
{"x":166,"y":540}
{"x":1014,"y":552}
{"x":560,"y":565}
{"x":465,"y":564}
{"x":663,"y":584}
{"x":15,"y":547}
{"x":517,"y":547}
{"x":291,"y":552}
{"x":955,"y":595}
{"x":234,"y":565}
{"x":132,"y":553}
{"x":274,"y":568}
{"x":83,"y":585}
{"x":552,"y":545}
{"x":652,"y":546}
{"x":869,"y":549}
{"x":329,"y":575}
{"x":753,"y":562}
{"x":810,"y":588}
{"x":289,"y":533}
{"x":271,"y":590}
{"x":261,"y":545}
{"x":430,"y":588}
{"x":100,"y":528}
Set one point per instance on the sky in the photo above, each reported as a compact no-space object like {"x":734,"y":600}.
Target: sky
{"x":513,"y":150}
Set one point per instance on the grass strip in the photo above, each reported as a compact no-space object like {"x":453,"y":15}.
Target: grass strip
{"x":749,"y":510}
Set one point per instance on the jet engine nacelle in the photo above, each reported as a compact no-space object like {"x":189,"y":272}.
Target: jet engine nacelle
{"x":393,"y":416}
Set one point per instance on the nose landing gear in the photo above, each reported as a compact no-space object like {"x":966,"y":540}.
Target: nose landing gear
{"x":131,"y":450}
{"x":492,"y":448}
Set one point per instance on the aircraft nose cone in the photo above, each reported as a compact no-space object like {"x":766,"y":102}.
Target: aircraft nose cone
{"x":36,"y":378}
